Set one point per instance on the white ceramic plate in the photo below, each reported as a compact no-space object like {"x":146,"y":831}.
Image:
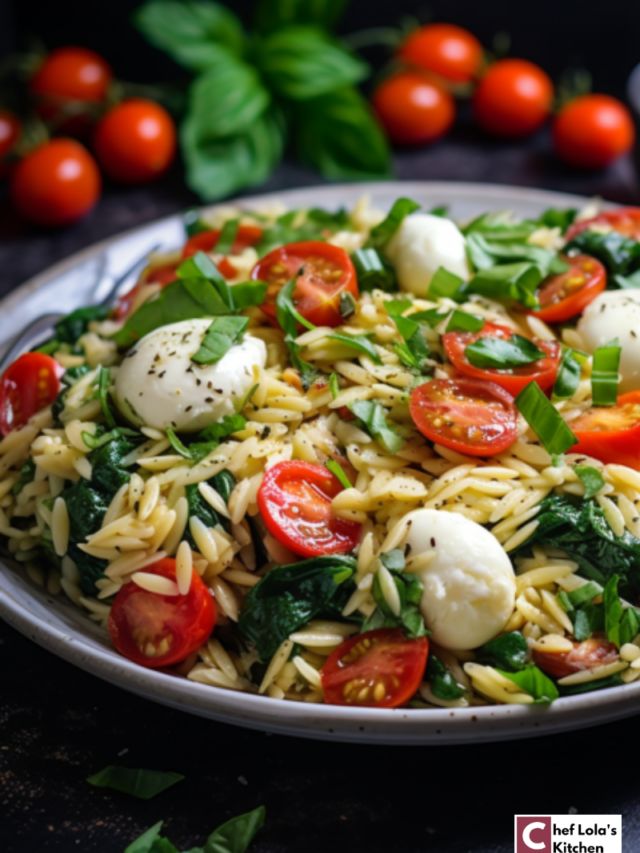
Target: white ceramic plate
{"x":64,"y":630}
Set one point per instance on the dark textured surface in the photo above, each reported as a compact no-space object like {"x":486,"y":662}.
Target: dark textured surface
{"x":58,"y":725}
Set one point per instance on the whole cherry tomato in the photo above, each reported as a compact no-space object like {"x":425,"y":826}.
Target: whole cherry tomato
{"x":593,"y":131}
{"x":414,"y":108}
{"x":449,"y":51}
{"x":513,"y":98}
{"x":10,"y":129}
{"x":56,"y":183}
{"x":136,"y":141}
{"x":72,"y":73}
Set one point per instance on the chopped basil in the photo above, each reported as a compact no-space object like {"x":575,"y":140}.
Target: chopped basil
{"x":568,"y":377}
{"x":413,"y":352}
{"x":591,"y":478}
{"x":75,"y":324}
{"x":347,"y":304}
{"x":25,"y":476}
{"x":533,"y":681}
{"x":227,"y":237}
{"x":337,"y":470}
{"x":544,"y":419}
{"x":287,"y":314}
{"x":619,"y":254}
{"x":501,"y":353}
{"x":372,"y":417}
{"x":360,"y":343}
{"x":604,"y":374}
{"x":334,"y":385}
{"x":460,"y":321}
{"x":621,"y":624}
{"x":102,"y":393}
{"x":584,"y":594}
{"x":207,"y":439}
{"x":409,"y":589}
{"x":508,"y":651}
{"x":221,"y":335}
{"x":441,"y":680}
{"x":446,"y":285}
{"x":373,"y":271}
{"x":382,"y":233}
{"x":144,"y":784}
{"x":558,"y":218}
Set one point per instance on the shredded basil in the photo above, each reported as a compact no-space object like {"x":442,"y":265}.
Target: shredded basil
{"x":544,"y":419}
{"x":221,"y":335}
{"x":337,"y":470}
{"x":359,"y":343}
{"x":372,"y":417}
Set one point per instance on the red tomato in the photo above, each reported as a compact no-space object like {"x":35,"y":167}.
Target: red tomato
{"x":611,"y":434}
{"x":513,"y":98}
{"x":593,"y":131}
{"x":163,"y":275}
{"x":294,"y":499}
{"x":624,"y":220}
{"x":56,"y":183}
{"x":444,"y":49}
{"x":323,"y":273}
{"x":29,"y":384}
{"x":413,"y":108}
{"x":382,"y":669}
{"x":472,"y":417}
{"x":206,"y":241}
{"x":586,"y":655}
{"x":136,"y":141}
{"x":567,"y":294}
{"x":10,"y":130}
{"x":160,"y":630}
{"x":72,"y":74}
{"x":512,"y":379}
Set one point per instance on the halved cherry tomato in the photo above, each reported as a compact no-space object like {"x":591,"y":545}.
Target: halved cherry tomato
{"x":611,"y":434}
{"x":624,"y":220}
{"x":512,"y":379}
{"x":513,"y":98}
{"x":322,"y":272}
{"x":449,"y":51}
{"x":567,"y":294}
{"x":381,"y":669}
{"x":590,"y":653}
{"x":160,"y":630}
{"x":163,"y":275}
{"x":206,"y":241}
{"x":295,"y":503}
{"x":467,"y":415}
{"x":29,"y":384}
{"x":592,"y":131}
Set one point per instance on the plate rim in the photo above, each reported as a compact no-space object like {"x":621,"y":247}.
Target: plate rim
{"x":371,"y":725}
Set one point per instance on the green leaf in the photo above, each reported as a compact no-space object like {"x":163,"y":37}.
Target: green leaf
{"x":372,"y":418}
{"x":236,"y":834}
{"x":102,"y":393}
{"x":334,"y":385}
{"x":146,"y":843}
{"x":409,"y":589}
{"x":221,"y":335}
{"x":195,"y":34}
{"x":339,"y":135}
{"x":621,"y":623}
{"x":177,"y":444}
{"x":508,"y":651}
{"x":533,"y":681}
{"x":584,"y":594}
{"x":75,"y":324}
{"x":588,"y":686}
{"x":217,"y":168}
{"x":591,"y":478}
{"x":485,"y":253}
{"x":337,"y":470}
{"x":272,"y":15}
{"x":300,"y":63}
{"x":384,"y":231}
{"x":373,"y":272}
{"x":287,"y":314}
{"x":226,"y":99}
{"x":359,"y":343}
{"x":501,"y":353}
{"x":619,"y":254}
{"x":144,"y":784}
{"x":544,"y":419}
{"x":441,"y":680}
{"x":568,"y":377}
{"x":605,"y":375}
{"x":227,"y":237}
{"x":414,"y":350}
{"x":460,"y":321}
{"x":446,"y":285}
{"x":508,"y":283}
{"x":25,"y":476}
{"x":556,"y":218}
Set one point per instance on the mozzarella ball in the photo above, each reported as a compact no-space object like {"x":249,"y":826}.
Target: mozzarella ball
{"x":421,"y":245}
{"x":469,"y":585}
{"x":615,"y":314}
{"x":159,"y":386}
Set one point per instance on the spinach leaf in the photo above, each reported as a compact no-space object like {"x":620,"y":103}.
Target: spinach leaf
{"x":502,"y":354}
{"x":69,"y":377}
{"x":619,"y":254}
{"x":372,"y":417}
{"x":223,"y":483}
{"x":144,"y":784}
{"x":25,"y":475}
{"x":533,"y":681}
{"x":290,"y":596}
{"x":508,"y":651}
{"x":210,"y":437}
{"x":221,"y":335}
{"x":621,"y":623}
{"x":108,"y":474}
{"x":587,"y":687}
{"x":410,"y":594}
{"x":591,"y":479}
{"x":384,"y":231}
{"x":485,"y":253}
{"x":75,"y":324}
{"x":441,"y":680}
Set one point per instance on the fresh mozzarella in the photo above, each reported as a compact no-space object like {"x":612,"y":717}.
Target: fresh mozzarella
{"x":421,"y":245}
{"x":469,"y":584}
{"x":159,"y":386}
{"x":615,"y":314}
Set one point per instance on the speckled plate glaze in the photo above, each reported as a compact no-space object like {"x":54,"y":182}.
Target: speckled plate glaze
{"x":62,"y":629}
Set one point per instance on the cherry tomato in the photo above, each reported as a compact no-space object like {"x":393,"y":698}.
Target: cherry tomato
{"x":611,"y":434}
{"x":206,"y":241}
{"x":72,"y":74}
{"x":323,"y":273}
{"x":294,"y":499}
{"x":586,"y":655}
{"x":56,"y":184}
{"x":29,"y":384}
{"x":567,"y":294}
{"x":136,"y":141}
{"x":512,"y":379}
{"x":593,"y":131}
{"x":513,"y":98}
{"x":10,"y":130}
{"x":444,"y":49}
{"x":624,"y":220}
{"x":382,"y":669}
{"x":467,"y":415}
{"x":414,"y":108}
{"x":162,"y":274}
{"x":160,"y":630}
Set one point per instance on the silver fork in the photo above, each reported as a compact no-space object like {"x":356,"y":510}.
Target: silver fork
{"x":36,"y":329}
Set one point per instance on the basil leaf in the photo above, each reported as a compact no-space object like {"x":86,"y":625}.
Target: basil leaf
{"x":150,"y":841}
{"x":568,"y":377}
{"x":384,"y":231}
{"x":227,"y":237}
{"x":533,"y":681}
{"x":337,"y":470}
{"x":372,"y":417}
{"x":460,"y":321}
{"x":236,"y":834}
{"x":144,"y":784}
{"x":338,"y":134}
{"x":508,"y":651}
{"x":193,"y":33}
{"x":544,"y":419}
{"x":397,"y":307}
{"x":359,"y":343}
{"x":604,"y":374}
{"x":485,"y":253}
{"x":409,"y":589}
{"x":75,"y":324}
{"x":499,"y":225}
{"x":502,"y":354}
{"x":441,"y":680}
{"x":414,"y":350}
{"x":621,"y":624}
{"x":218,"y":167}
{"x":308,"y":373}
{"x":591,"y":478}
{"x":272,"y":15}
{"x":556,"y":218}
{"x":301,"y":62}
{"x":374,"y":273}
{"x":619,"y":254}
{"x":287,"y":314}
{"x":221,"y":335}
{"x":446,"y":285}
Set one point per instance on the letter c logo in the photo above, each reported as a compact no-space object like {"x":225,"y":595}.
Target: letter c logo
{"x":528,"y":831}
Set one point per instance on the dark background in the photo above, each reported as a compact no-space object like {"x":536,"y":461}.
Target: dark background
{"x":58,"y":725}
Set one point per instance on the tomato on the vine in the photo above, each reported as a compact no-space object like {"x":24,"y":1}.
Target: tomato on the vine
{"x":513,"y":98}
{"x":449,"y":51}
{"x":10,"y":129}
{"x":593,"y":131}
{"x":72,"y":73}
{"x":29,"y":384}
{"x":414,"y":108}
